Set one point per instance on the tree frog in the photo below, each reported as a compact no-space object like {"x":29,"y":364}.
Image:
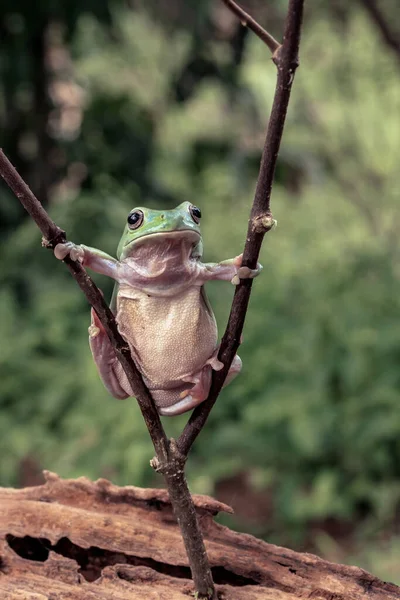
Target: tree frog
{"x":161,"y":307}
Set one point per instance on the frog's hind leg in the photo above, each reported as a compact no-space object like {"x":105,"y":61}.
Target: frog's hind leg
{"x":195,"y":395}
{"x":234,"y":369}
{"x":108,"y":366}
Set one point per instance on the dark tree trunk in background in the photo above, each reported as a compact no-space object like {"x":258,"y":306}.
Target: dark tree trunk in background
{"x":41,"y":176}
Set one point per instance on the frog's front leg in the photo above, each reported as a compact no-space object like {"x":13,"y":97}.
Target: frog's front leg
{"x":89,"y":257}
{"x":196,"y":394}
{"x":228,"y":270}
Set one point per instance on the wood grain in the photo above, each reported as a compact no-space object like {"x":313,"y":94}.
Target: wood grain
{"x":83,"y":540}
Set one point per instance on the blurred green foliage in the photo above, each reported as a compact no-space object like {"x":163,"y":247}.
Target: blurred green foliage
{"x":170,"y":103}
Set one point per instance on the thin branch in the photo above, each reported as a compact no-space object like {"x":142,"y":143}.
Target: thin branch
{"x":169,"y":461}
{"x":388,"y":34}
{"x":286,"y":59}
{"x":248,"y":21}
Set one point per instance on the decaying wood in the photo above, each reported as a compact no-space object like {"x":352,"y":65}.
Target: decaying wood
{"x":83,"y":540}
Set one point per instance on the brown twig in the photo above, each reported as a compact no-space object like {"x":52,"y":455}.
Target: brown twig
{"x":169,"y":461}
{"x":248,"y":21}
{"x":388,"y":34}
{"x":286,"y":59}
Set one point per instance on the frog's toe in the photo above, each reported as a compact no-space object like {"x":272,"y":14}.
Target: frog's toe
{"x":235,"y":280}
{"x":246,"y":273}
{"x":180,"y":407}
{"x":95,"y":328}
{"x":214,"y":363}
{"x":61,"y":251}
{"x":201,"y":383}
{"x":77,"y":254}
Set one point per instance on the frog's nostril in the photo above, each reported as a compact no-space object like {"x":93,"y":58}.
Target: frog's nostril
{"x":162,"y":216}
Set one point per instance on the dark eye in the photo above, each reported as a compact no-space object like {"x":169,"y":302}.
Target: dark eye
{"x":135,"y":219}
{"x":195,"y":212}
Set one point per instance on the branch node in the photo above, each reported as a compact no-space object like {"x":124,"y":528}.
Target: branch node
{"x":175,"y":452}
{"x":59,"y":238}
{"x":155,"y":464}
{"x":279,"y":61}
{"x":263,"y":223}
{"x":173,"y":464}
{"x":276,"y":55}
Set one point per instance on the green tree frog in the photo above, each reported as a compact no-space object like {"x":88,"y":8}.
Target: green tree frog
{"x":161,"y":307}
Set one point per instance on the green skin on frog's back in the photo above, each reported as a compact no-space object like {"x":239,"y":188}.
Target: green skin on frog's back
{"x":161,"y":307}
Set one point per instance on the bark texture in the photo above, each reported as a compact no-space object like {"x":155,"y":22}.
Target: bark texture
{"x":83,"y":540}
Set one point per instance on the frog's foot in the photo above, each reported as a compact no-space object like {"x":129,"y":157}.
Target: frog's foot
{"x":234,"y":369}
{"x":244,"y":272}
{"x":109,"y":367}
{"x":192,"y":396}
{"x":195,"y":395}
{"x":180,"y":407}
{"x":70,"y":249}
{"x":213,"y":361}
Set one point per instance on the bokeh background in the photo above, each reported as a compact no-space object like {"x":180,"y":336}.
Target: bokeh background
{"x":108,"y":105}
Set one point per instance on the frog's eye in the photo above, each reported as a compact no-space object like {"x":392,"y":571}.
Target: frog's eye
{"x":195,"y":212}
{"x":135,"y":219}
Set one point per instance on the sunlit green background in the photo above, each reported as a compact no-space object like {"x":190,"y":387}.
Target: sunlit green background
{"x":107,"y":105}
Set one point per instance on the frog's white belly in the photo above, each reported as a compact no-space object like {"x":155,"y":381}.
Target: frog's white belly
{"x":170,"y":337}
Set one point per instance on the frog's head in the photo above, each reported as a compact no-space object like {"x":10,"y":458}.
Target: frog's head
{"x":147,"y":226}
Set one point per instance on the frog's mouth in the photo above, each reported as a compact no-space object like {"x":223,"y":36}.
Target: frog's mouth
{"x":164,"y":244}
{"x":170,"y":237}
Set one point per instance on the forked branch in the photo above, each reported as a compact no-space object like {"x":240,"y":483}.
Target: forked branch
{"x":171,"y":456}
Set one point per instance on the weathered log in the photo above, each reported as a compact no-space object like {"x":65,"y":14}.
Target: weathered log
{"x":83,"y":540}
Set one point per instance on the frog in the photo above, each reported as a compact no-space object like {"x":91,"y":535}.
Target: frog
{"x":160,"y":306}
